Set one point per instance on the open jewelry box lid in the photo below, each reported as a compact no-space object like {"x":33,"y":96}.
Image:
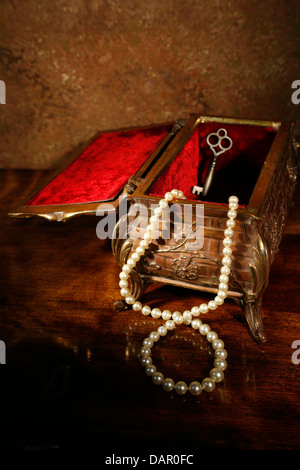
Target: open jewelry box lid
{"x":98,"y":173}
{"x":148,"y":161}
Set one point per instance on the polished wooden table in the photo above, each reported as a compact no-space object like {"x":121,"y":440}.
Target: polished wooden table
{"x":72,"y":379}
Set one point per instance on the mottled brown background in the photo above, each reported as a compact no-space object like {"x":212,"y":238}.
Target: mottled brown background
{"x":74,"y":67}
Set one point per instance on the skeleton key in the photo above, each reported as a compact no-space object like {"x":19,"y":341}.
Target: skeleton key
{"x":219,"y":143}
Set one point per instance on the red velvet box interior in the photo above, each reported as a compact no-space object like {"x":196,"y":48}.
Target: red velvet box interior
{"x":102,"y":170}
{"x":236,"y":172}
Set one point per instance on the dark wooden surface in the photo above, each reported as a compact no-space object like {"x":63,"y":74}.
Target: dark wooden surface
{"x":72,"y":379}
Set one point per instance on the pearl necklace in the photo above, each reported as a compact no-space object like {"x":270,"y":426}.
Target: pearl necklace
{"x":216,"y":374}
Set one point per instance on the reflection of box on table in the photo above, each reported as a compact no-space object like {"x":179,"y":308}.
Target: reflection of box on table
{"x":260,"y":169}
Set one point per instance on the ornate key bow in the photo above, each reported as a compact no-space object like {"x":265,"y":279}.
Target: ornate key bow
{"x":219,"y":142}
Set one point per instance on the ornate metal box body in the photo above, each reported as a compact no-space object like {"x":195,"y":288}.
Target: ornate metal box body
{"x":261,"y":171}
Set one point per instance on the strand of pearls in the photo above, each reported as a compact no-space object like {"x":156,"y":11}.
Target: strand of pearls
{"x":186,"y":318}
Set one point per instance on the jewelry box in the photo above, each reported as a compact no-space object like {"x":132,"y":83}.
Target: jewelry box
{"x":141,"y":165}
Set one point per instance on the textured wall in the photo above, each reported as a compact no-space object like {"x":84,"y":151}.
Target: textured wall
{"x":74,"y":67}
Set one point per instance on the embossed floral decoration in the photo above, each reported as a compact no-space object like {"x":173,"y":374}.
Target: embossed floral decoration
{"x":185,"y":268}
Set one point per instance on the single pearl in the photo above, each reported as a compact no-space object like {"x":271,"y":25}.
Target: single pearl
{"x":223,"y":286}
{"x":196,"y":323}
{"x":227,"y":251}
{"x":181,"y":195}
{"x":123,"y":275}
{"x":195,"y":311}
{"x":233,"y":205}
{"x":150,"y":369}
{"x":224,"y":278}
{"x":226,"y":261}
{"x":140,"y":250}
{"x":218,"y":300}
{"x":218,"y":344}
{"x":187,"y":317}
{"x":162,"y":330}
{"x":222,"y":294}
{"x":148,"y":343}
{"x":129,"y":299}
{"x":170,"y":324}
{"x":168,"y":384}
{"x":135,"y":256}
{"x":146,"y":310}
{"x":203,"y":308}
{"x":230,"y":223}
{"x":154,"y":335}
{"x":212,"y":305}
{"x":166,"y":315}
{"x":154,"y":219}
{"x":158,"y":211}
{"x":144,"y":243}
{"x":124,"y":292}
{"x":220,"y":353}
{"x":146,"y":361}
{"x":175,"y":192}
{"x":131,"y":262}
{"x":156,"y":313}
{"x":157,"y":378}
{"x":204,"y":329}
{"x":123,"y":283}
{"x":225,"y":270}
{"x":145,"y":351}
{"x":149,"y":228}
{"x":181,"y":387}
{"x":233,"y":199}
{"x":216,"y":374}
{"x":195,"y":388}
{"x":147,"y":236}
{"x":208,"y":384}
{"x":228,"y":232}
{"x":220,"y":364}
{"x":168,"y":196}
{"x":227,"y":242}
{"x":163,"y":204}
{"x":177,"y":317}
{"x":231,"y":214}
{"x":211,"y":336}
{"x":137,"y":306}
{"x":126,"y":268}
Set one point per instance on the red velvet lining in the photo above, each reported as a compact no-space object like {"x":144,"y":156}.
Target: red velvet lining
{"x":104,"y":167}
{"x":236,"y":172}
